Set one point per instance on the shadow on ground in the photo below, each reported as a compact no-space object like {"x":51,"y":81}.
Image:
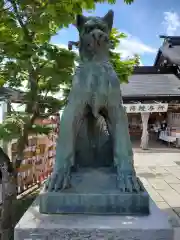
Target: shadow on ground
{"x":23,"y":204}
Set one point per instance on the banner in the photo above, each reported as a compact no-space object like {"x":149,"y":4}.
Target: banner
{"x":139,"y":108}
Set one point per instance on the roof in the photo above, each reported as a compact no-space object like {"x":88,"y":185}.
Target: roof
{"x":171,"y":53}
{"x":154,"y":70}
{"x":12,"y":94}
{"x":151,"y":85}
{"x":169,"y":50}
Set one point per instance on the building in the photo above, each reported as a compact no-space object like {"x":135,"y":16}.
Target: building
{"x":157,"y":89}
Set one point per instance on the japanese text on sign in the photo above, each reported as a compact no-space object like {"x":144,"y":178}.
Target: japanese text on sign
{"x":135,"y":108}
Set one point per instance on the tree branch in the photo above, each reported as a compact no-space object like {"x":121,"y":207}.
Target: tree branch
{"x":5,"y":159}
{"x":15,"y":9}
{"x":40,"y":67}
{"x":45,"y":94}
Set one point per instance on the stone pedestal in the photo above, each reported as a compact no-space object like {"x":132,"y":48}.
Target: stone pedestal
{"x":36,"y":226}
{"x":95,"y":191}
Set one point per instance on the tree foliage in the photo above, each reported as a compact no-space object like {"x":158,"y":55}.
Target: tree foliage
{"x":125,"y":67}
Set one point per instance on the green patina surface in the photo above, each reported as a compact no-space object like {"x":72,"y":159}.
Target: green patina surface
{"x":95,"y":92}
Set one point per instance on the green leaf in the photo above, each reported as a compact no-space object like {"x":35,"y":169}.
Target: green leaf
{"x":128,"y":1}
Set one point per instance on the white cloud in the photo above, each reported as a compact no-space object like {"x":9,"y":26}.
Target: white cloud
{"x":132,"y":45}
{"x":171,"y":23}
{"x":62,"y":45}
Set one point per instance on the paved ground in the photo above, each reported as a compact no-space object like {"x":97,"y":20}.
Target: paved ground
{"x":160,"y":173}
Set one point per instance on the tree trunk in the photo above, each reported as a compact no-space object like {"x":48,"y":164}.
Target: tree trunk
{"x":8,"y":196}
{"x":8,"y":202}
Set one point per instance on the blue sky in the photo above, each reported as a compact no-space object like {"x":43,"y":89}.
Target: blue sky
{"x":143,"y":22}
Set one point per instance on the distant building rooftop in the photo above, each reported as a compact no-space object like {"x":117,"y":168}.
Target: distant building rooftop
{"x":11,"y":94}
{"x":152,"y":83}
{"x":169,"y":51}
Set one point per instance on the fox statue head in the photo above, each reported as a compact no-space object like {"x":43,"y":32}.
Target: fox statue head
{"x":94,"y":35}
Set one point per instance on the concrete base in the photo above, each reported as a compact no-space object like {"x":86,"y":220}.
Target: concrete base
{"x":36,"y":226}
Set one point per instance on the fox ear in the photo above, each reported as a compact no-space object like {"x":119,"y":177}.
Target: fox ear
{"x":80,"y":20}
{"x":108,"y":18}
